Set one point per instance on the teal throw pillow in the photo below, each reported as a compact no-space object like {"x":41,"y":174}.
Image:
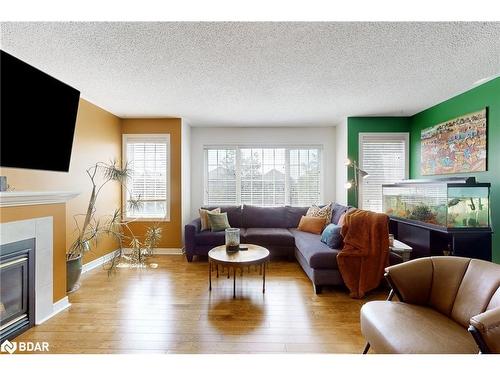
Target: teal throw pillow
{"x":331,"y":236}
{"x":218,"y":222}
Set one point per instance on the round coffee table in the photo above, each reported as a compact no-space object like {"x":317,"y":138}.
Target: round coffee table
{"x":255,"y":255}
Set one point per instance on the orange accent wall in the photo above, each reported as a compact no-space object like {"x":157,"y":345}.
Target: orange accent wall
{"x":172,"y":233}
{"x":97,"y":138}
{"x":58,"y":213}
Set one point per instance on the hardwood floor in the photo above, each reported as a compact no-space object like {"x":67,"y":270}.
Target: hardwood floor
{"x":170,"y":310}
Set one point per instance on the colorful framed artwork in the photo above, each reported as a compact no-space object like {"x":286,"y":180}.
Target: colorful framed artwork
{"x":455,"y":146}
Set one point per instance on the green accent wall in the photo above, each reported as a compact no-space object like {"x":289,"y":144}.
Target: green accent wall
{"x":356,"y":125}
{"x":486,"y":95}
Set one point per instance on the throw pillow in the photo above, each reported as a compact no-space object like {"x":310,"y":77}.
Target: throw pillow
{"x":311,"y":224}
{"x":218,"y":222}
{"x":205,"y":224}
{"x":324,"y":212}
{"x":341,"y":219}
{"x":332,"y":237}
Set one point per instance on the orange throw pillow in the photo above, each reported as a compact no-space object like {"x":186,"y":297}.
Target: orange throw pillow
{"x":311,"y":224}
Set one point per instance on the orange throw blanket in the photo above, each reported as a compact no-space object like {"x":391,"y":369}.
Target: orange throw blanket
{"x":365,"y":252}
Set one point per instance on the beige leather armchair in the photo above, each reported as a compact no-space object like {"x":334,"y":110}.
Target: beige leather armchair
{"x":446,"y":305}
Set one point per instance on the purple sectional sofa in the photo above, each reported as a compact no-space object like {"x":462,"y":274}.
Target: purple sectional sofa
{"x":275,"y":229}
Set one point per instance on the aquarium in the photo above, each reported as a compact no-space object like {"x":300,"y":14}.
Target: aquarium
{"x":450,"y":203}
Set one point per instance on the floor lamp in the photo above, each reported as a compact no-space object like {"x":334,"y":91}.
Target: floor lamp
{"x":358,"y":172}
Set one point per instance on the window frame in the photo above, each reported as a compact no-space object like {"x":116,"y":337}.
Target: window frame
{"x":162,"y":136}
{"x":404,"y":136}
{"x":286,"y":146}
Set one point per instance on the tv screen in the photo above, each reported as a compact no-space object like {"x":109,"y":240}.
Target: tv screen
{"x":37,"y":117}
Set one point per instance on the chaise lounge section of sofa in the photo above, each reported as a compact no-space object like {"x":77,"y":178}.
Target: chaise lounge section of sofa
{"x":275,"y":229}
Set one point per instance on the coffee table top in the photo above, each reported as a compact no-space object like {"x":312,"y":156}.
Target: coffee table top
{"x":254,"y":255}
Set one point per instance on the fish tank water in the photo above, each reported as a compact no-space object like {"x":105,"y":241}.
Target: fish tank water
{"x":450,"y":203}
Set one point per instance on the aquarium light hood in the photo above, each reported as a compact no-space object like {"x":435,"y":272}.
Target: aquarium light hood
{"x":455,"y":180}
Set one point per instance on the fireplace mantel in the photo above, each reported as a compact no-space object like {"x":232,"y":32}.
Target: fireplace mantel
{"x":28,"y":198}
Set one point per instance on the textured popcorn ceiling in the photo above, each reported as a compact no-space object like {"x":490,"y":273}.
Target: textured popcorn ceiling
{"x":261,"y":74}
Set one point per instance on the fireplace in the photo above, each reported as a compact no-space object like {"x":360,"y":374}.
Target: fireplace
{"x":17,"y":288}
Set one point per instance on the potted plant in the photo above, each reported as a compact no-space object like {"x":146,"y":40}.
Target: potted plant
{"x":92,"y":228}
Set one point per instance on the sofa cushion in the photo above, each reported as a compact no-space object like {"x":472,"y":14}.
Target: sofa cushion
{"x":311,"y":224}
{"x":316,"y":253}
{"x":208,"y":238}
{"x":293,"y":215}
{"x":233,"y":214}
{"x":321,"y":211}
{"x":397,"y":327}
{"x":337,"y":211}
{"x":332,"y":237}
{"x":269,"y":236}
{"x":205,"y":224}
{"x":218,"y":222}
{"x":264,"y":217}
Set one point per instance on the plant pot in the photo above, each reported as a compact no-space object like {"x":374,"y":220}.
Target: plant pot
{"x":73,"y":272}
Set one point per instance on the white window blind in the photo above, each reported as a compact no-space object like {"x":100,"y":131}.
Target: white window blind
{"x":220,"y":185}
{"x":264,"y":176}
{"x":305,"y":177}
{"x":147,"y":156}
{"x":385,"y":157}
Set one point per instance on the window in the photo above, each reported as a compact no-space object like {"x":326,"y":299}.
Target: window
{"x":385,"y":157}
{"x":264,"y":176}
{"x":147,"y":155}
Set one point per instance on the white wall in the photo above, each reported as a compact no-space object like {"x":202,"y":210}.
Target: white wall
{"x":203,"y":136}
{"x":341,"y":156}
{"x":185,"y":174}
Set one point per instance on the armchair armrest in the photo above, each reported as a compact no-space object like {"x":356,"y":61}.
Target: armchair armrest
{"x":411,"y":281}
{"x":485,"y":328}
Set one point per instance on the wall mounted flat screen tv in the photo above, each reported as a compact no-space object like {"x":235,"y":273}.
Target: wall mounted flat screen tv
{"x":37,"y":117}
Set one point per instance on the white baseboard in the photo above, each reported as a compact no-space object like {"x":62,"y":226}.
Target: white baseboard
{"x":98,"y":262}
{"x":107,"y":257}
{"x":160,"y":251}
{"x":57,"y":307}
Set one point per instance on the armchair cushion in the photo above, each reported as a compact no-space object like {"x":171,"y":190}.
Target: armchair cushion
{"x":429,"y":281}
{"x":478,"y":286}
{"x":413,"y":329}
{"x":411,"y":280}
{"x":447,"y":276}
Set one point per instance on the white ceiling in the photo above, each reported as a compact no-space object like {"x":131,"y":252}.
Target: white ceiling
{"x":262,"y":73}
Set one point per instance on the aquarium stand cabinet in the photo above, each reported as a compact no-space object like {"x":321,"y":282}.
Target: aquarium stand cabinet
{"x":432,"y":240}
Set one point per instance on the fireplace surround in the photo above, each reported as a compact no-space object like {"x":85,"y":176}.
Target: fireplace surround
{"x":39,"y":215}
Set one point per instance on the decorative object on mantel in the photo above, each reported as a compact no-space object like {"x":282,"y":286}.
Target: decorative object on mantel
{"x":3,"y":183}
{"x":358,"y":172}
{"x":93,"y":228}
{"x":455,"y":146}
